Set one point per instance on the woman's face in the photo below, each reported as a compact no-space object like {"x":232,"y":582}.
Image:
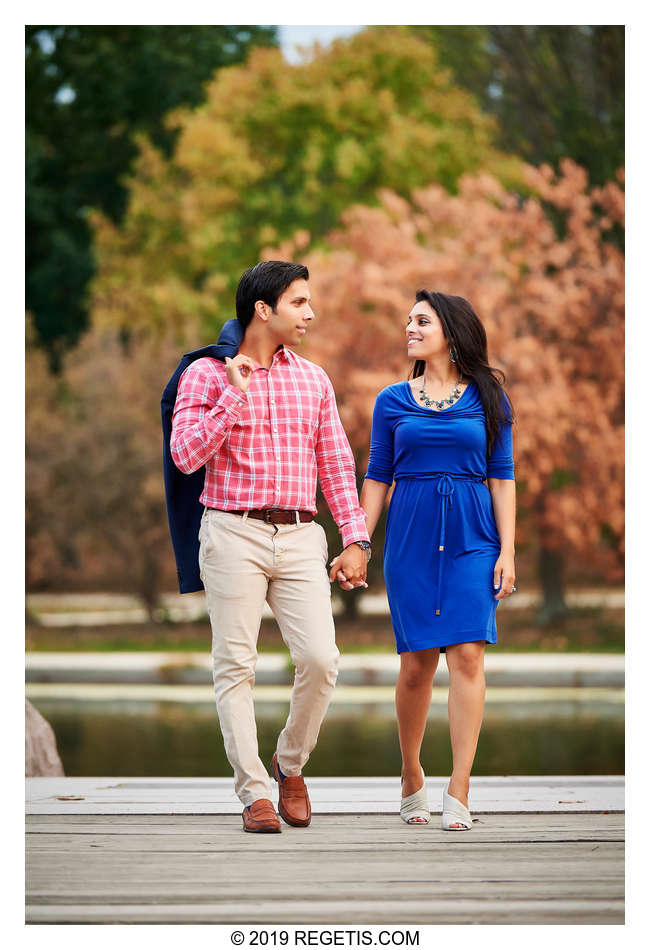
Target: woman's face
{"x":424,"y":335}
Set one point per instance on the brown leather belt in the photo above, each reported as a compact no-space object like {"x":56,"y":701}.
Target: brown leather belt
{"x":274,"y":515}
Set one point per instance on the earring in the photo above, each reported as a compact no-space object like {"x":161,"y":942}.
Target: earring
{"x":453,"y":355}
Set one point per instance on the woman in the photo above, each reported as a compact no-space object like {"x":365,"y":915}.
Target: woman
{"x":449,"y":555}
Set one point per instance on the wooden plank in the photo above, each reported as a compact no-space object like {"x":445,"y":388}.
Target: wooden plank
{"x":320,"y":836}
{"x":558,"y":868}
{"x":81,"y":822}
{"x":493,"y":794}
{"x":121,"y":873}
{"x":352,"y":892}
{"x":405,"y":912}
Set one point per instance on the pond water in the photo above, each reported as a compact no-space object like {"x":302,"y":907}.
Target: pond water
{"x":183,"y":739}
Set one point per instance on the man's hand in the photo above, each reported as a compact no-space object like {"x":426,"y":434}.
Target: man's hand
{"x":240,"y":371}
{"x":349,"y":568}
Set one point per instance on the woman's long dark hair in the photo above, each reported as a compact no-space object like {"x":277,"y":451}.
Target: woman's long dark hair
{"x":466,"y":333}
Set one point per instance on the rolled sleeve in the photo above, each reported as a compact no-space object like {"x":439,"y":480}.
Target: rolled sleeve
{"x":203,"y":416}
{"x":337,"y":472}
{"x":354,"y":531}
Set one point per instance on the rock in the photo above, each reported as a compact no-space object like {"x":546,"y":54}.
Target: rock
{"x":41,"y":755}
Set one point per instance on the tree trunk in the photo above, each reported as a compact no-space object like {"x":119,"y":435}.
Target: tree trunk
{"x":350,"y":602}
{"x":551,"y":575}
{"x":150,"y":584}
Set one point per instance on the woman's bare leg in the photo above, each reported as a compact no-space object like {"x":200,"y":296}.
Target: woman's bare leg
{"x":412,"y":700}
{"x":465,"y":705}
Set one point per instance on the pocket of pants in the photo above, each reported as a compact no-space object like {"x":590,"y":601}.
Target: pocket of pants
{"x":323,"y":540}
{"x":202,"y":527}
{"x":204,"y":540}
{"x":201,"y":558}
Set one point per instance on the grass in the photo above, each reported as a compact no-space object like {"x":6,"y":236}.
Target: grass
{"x":584,"y":630}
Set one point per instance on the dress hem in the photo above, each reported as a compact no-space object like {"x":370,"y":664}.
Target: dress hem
{"x":462,"y":638}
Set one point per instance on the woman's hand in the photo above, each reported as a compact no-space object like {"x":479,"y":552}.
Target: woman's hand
{"x":349,"y":568}
{"x":240,"y":371}
{"x":504,"y":575}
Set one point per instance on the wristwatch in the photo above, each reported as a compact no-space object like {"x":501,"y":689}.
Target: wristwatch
{"x":366,"y":547}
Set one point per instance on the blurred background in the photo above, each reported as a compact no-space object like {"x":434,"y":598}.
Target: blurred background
{"x":162,"y":161}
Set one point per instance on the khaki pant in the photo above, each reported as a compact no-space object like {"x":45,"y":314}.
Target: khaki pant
{"x":245,"y":562}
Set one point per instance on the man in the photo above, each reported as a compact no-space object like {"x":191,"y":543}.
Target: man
{"x":266,"y":427}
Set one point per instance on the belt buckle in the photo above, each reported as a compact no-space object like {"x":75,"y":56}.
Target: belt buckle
{"x":267,"y":514}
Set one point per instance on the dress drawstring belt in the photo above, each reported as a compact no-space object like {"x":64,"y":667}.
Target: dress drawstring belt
{"x":446,"y":490}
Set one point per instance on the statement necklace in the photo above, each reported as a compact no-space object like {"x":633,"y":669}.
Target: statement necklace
{"x":424,"y":397}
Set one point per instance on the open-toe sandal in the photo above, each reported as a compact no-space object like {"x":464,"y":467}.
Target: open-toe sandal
{"x":454,"y":813}
{"x":415,"y":806}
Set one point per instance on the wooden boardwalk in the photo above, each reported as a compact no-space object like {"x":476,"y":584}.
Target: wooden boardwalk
{"x":107,"y":851}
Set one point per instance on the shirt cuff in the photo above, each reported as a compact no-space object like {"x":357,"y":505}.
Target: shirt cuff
{"x":231,"y":401}
{"x":354,"y":531}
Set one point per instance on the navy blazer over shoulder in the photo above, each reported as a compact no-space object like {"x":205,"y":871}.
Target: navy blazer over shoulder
{"x":182,"y":492}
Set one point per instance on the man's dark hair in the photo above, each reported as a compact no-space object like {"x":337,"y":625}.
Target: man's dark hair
{"x":267,"y":281}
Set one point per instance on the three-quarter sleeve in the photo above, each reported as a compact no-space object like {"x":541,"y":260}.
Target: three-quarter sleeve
{"x":500,"y":463}
{"x":381,"y":463}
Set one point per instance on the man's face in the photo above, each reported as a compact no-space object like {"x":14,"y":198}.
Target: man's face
{"x":292,"y":315}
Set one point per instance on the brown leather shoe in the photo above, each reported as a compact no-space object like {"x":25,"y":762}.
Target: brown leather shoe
{"x":261,"y":816}
{"x":293,"y":804}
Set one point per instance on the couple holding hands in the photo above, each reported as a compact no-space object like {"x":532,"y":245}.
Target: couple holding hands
{"x":259,"y":426}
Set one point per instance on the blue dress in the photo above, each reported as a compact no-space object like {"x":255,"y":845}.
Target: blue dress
{"x":441,"y":537}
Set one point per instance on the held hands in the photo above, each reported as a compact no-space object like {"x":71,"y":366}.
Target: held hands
{"x":504,"y":575}
{"x":239,"y":371}
{"x":349,"y":568}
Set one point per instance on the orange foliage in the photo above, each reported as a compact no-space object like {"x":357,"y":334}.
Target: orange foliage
{"x":543,"y":277}
{"x":549,"y":286}
{"x":95,"y":495}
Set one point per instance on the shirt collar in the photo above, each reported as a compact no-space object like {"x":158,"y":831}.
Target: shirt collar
{"x":282,"y":353}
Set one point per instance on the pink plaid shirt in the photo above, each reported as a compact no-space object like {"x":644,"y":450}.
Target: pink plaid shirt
{"x":267,"y":447}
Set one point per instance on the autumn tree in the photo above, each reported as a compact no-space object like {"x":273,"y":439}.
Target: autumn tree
{"x":89,"y":89}
{"x":549,"y":286}
{"x":556,"y":91}
{"x":95,"y":496}
{"x":542,"y":274}
{"x":276,"y":148}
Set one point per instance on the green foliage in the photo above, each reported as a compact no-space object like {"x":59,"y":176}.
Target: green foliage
{"x":608,"y":535}
{"x":561,"y":477}
{"x":88,"y":90}
{"x":557,"y":91}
